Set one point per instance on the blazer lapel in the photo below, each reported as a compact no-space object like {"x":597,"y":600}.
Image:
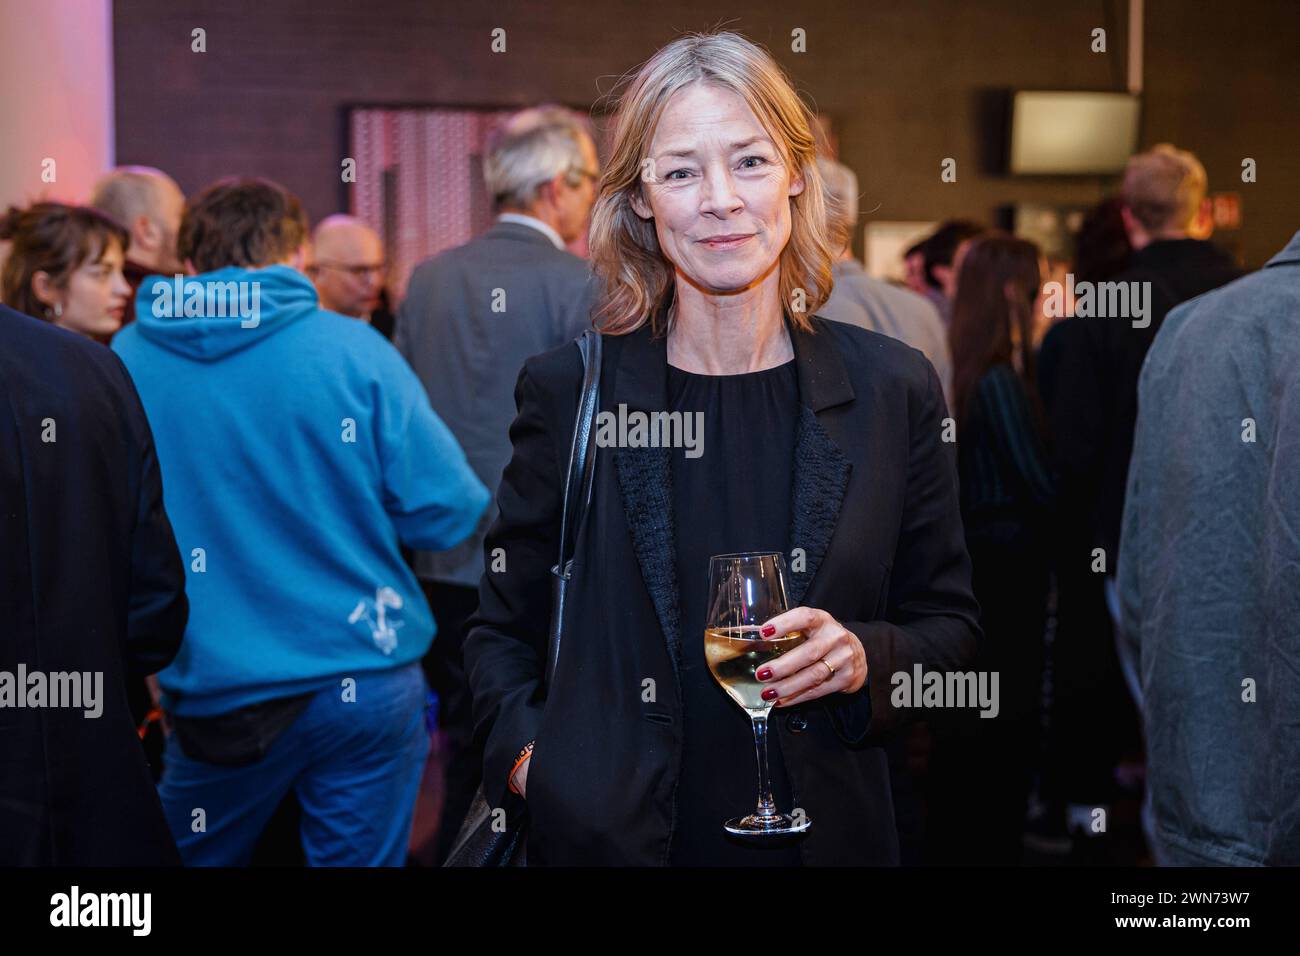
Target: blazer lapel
{"x":645,"y":479}
{"x":821,"y":470}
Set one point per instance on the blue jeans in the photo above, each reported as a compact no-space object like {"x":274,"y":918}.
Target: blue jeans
{"x":354,"y":764}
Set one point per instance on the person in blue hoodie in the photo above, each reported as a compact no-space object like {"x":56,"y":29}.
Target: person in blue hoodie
{"x":300,"y":453}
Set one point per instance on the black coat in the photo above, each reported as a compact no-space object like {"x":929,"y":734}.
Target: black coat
{"x":90,"y":580}
{"x":1091,"y":377}
{"x":876,"y":510}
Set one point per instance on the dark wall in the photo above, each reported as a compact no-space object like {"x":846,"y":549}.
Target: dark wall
{"x":907,"y":83}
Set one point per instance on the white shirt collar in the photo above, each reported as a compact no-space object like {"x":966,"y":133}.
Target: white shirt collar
{"x":535,"y":223}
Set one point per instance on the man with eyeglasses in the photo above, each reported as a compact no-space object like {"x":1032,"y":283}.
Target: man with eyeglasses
{"x":348,"y":270}
{"x":471,"y":317}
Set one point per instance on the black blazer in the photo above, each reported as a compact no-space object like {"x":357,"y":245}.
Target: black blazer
{"x":876,"y":510}
{"x":1096,"y":362}
{"x":90,"y":580}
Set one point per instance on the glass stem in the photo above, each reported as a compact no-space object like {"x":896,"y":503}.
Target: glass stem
{"x":766,"y":806}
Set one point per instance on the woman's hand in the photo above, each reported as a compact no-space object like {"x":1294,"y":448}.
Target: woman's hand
{"x":830,"y":660}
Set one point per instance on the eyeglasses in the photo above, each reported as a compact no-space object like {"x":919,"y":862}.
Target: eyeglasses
{"x":357,"y":272}
{"x":584,"y":173}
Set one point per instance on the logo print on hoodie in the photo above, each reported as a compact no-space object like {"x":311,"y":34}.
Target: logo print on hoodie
{"x":375,"y":612}
{"x":208,"y":298}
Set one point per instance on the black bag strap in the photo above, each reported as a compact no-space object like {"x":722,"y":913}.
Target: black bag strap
{"x":479,"y":843}
{"x":577,"y":488}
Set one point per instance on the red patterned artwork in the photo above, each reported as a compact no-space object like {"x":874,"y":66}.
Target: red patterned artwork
{"x":420,"y":181}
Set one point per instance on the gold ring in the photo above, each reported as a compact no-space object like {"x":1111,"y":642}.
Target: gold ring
{"x":828,"y":664}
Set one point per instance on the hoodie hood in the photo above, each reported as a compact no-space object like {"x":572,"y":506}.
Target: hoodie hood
{"x":210,"y":316}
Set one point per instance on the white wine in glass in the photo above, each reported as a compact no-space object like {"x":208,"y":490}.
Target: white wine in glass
{"x":735,"y":654}
{"x":746,"y":590}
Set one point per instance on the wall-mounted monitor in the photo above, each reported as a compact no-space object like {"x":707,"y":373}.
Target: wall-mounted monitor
{"x":1072,"y":133}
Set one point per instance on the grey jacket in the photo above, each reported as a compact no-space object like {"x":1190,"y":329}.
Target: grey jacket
{"x":872,"y":304}
{"x":470,"y":318}
{"x":1209,"y":571}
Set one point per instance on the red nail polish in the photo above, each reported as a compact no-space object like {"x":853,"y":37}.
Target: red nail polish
{"x":769,"y":694}
{"x":764,"y":673}
{"x":769,"y":630}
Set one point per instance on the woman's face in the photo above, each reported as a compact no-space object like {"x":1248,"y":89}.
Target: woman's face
{"x":95,"y":300}
{"x":713,"y":172}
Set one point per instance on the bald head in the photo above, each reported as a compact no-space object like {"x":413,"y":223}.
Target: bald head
{"x":149,"y":204}
{"x":347,"y":265}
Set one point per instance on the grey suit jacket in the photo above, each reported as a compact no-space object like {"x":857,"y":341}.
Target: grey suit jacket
{"x":869,"y":303}
{"x":471,"y":317}
{"x":1209,"y":572}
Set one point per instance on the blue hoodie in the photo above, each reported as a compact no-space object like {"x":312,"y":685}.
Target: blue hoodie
{"x":297,"y":449}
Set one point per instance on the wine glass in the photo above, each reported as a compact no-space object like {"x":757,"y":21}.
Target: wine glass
{"x":745,"y":590}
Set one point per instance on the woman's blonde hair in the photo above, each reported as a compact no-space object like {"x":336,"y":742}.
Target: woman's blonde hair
{"x":637,"y":278}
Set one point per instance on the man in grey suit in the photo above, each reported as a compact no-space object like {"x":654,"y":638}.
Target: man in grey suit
{"x":868,"y":302}
{"x":471,"y":316}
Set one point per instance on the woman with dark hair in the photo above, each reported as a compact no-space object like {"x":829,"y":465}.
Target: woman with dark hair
{"x":1006,"y":491}
{"x":819,"y":441}
{"x":65,"y":266}
{"x":993,"y":318}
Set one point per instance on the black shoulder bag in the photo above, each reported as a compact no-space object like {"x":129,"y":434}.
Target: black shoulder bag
{"x":479,"y":843}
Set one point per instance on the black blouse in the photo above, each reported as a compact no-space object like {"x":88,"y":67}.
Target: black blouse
{"x":735,"y":496}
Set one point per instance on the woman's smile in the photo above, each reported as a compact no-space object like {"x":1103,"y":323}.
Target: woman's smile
{"x":726,"y":242}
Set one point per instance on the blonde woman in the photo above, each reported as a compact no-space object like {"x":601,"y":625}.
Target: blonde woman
{"x":819,"y":440}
